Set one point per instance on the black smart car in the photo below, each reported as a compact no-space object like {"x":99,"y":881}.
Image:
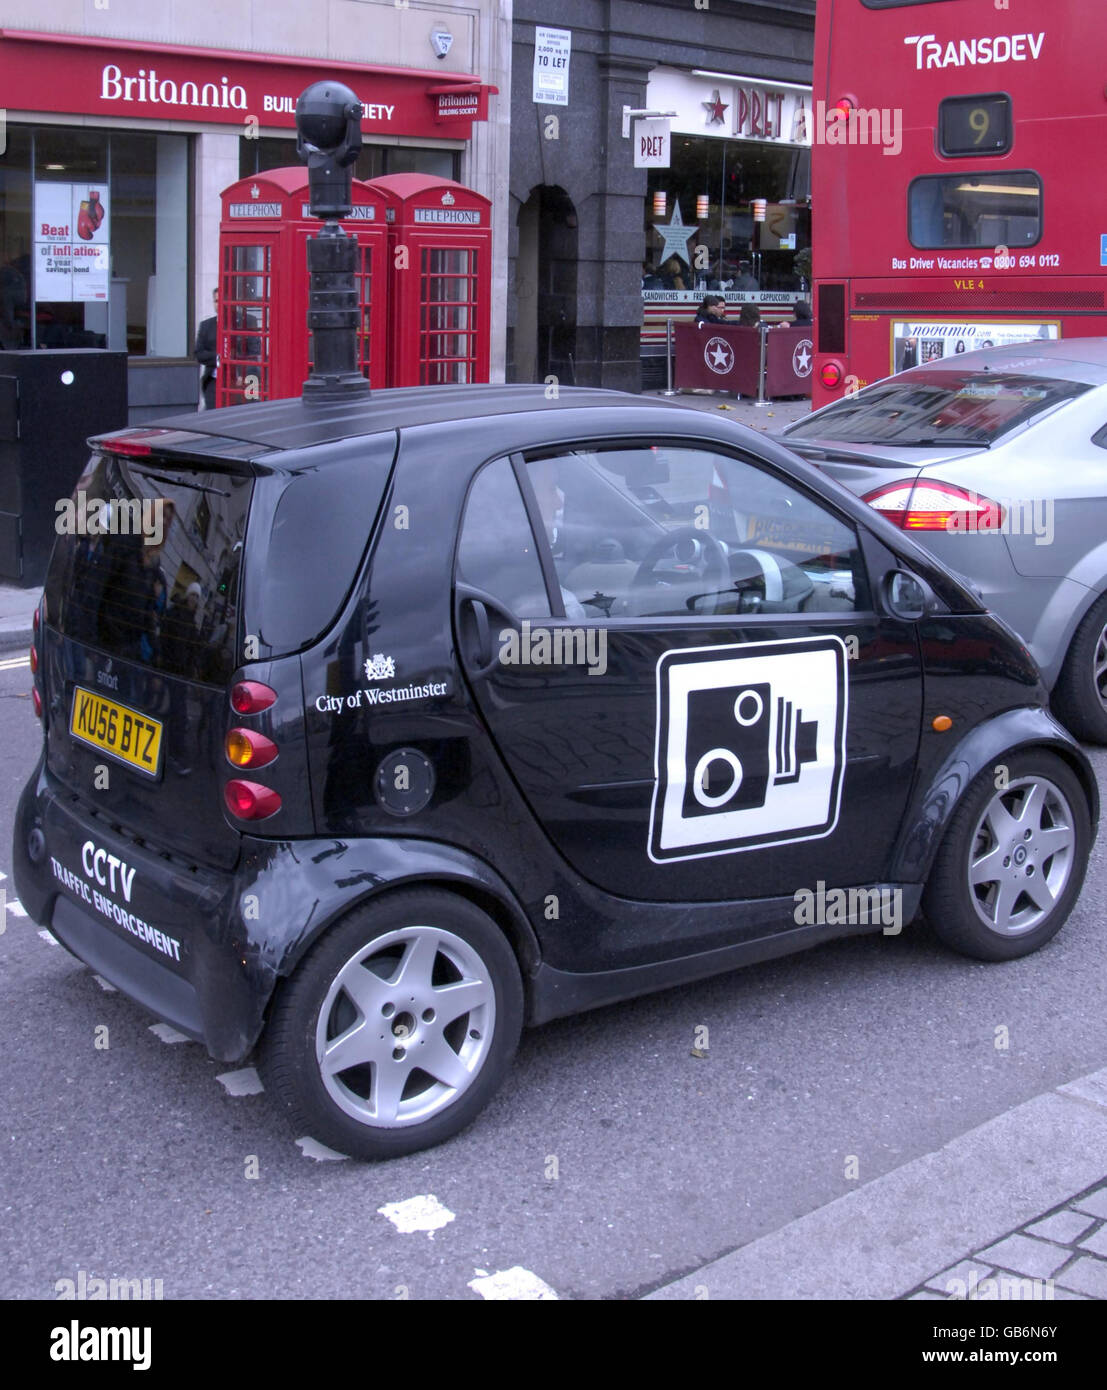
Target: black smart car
{"x":376,"y":729}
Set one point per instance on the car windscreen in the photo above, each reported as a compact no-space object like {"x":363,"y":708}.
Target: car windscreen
{"x":146,"y":564}
{"x":943,"y":408}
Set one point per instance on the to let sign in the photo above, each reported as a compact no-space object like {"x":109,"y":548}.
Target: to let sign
{"x":651,"y":144}
{"x":551,"y":66}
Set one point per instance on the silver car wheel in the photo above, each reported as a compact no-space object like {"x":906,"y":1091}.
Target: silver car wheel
{"x":405,"y":1027}
{"x":1022,"y":856}
{"x":1099,"y":674}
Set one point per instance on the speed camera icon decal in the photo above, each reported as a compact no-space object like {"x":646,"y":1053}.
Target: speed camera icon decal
{"x":751,"y":744}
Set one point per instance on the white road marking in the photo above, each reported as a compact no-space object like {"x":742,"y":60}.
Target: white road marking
{"x":13,"y":663}
{"x":245,"y":1082}
{"x":418,"y":1214}
{"x":170,"y":1035}
{"x":516,"y":1284}
{"x":105,"y":985}
{"x":48,"y":936}
{"x":16,"y":908}
{"x":3,"y":876}
{"x":311,"y":1148}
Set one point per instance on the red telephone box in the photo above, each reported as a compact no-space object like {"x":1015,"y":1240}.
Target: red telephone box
{"x":264,"y":344}
{"x":440,"y":267}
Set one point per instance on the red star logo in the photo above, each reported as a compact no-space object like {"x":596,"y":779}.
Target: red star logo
{"x":715,"y":108}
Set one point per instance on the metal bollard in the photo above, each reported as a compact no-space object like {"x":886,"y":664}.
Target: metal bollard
{"x":669,"y":357}
{"x":763,"y":329}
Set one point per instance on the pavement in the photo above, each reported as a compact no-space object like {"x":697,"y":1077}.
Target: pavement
{"x":17,"y":608}
{"x":1015,"y":1208}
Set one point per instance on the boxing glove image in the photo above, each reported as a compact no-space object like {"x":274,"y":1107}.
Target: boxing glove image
{"x":85,"y":227}
{"x":95,"y":209}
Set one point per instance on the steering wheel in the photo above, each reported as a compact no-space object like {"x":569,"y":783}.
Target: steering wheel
{"x":705,"y":556}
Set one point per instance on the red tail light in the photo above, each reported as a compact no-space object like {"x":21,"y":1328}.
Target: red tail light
{"x":936,"y":506}
{"x":36,"y":700}
{"x":249,"y":697}
{"x":248,"y":748}
{"x":34,"y":661}
{"x":36,"y":621}
{"x":250,"y":800}
{"x":830,"y":375}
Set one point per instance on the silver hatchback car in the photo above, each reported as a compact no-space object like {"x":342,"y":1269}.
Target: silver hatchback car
{"x":996,"y":462}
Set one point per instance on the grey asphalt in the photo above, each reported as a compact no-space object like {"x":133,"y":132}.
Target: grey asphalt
{"x":613,"y":1164}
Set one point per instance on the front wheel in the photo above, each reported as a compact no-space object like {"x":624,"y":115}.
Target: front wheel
{"x":1013,"y":859}
{"x":397,"y":1027}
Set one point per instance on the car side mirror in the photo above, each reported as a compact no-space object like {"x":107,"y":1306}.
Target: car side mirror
{"x":907,"y":596}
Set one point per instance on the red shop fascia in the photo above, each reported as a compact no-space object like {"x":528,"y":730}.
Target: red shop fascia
{"x":113,"y":78}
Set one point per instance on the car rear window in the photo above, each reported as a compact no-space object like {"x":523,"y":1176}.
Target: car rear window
{"x":944,"y":408}
{"x":146,"y":565}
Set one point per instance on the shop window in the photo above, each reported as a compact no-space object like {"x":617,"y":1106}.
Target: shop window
{"x":94,"y":233}
{"x":714,"y":182}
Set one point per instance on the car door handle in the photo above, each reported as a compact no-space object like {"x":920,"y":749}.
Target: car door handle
{"x":482,"y":605}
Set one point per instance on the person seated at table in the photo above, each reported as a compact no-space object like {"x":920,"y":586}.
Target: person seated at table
{"x":801,"y":312}
{"x":749,"y":317}
{"x":712,"y":310}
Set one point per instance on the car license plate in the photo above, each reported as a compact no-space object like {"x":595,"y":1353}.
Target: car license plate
{"x":124,"y":733}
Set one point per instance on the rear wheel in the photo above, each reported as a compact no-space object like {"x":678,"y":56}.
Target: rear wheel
{"x":1013,"y":859}
{"x":398,"y":1026}
{"x":1080,"y":696}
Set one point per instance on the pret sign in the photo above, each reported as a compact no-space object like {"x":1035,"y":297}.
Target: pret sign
{"x":651,"y":144}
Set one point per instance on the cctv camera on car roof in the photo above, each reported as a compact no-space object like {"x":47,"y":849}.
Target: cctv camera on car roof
{"x":328,"y":140}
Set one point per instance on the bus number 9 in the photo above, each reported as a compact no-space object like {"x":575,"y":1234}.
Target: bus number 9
{"x":979,"y":121}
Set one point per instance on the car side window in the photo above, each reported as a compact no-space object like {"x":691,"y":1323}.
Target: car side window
{"x":658,"y":531}
{"x":496,"y":550}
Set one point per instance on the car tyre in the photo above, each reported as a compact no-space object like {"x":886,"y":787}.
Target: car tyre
{"x":397,"y":1027}
{"x":1080,"y":695}
{"x":1012,"y":860}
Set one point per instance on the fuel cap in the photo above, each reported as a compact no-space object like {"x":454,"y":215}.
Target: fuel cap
{"x":404,"y":782}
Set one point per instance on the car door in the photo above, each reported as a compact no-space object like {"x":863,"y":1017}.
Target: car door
{"x":676,"y":653}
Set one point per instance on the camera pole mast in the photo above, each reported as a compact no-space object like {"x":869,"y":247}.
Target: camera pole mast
{"x":328,"y":140}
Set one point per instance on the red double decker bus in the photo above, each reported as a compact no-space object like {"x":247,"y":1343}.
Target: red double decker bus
{"x":956,"y":184}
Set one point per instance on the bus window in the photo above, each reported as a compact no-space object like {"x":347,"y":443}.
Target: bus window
{"x":965,"y":210}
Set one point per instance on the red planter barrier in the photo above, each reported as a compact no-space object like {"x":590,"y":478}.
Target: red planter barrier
{"x":717,"y":357}
{"x":788,"y":356}
{"x":727,"y":357}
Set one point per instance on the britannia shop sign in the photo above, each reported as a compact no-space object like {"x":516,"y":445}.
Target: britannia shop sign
{"x":111,"y":77}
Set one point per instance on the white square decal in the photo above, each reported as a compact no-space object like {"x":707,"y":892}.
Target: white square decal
{"x":751,"y":743}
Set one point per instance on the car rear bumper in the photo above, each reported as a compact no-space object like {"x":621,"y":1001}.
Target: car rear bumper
{"x":168,"y":934}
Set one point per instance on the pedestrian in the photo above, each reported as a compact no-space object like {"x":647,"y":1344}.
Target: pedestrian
{"x":206,"y":352}
{"x":712,"y":310}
